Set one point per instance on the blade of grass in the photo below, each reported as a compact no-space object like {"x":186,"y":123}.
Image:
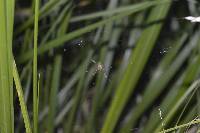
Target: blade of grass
{"x":53,"y":93}
{"x":28,"y":37}
{"x":57,"y":73}
{"x":78,"y":95}
{"x":35,"y":73}
{"x":75,"y":77}
{"x":137,"y":62}
{"x":113,"y":11}
{"x":21,"y":99}
{"x":61,"y":116}
{"x":26,"y":74}
{"x":133,"y":37}
{"x":63,"y":93}
{"x":38,"y":97}
{"x":6,"y":77}
{"x":116,"y":77}
{"x":64,"y":17}
{"x":28,"y":85}
{"x":60,"y":40}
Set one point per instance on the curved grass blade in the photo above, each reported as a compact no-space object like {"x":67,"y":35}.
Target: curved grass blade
{"x":21,"y":99}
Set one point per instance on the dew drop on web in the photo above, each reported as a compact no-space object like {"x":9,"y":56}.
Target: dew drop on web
{"x":165,"y":50}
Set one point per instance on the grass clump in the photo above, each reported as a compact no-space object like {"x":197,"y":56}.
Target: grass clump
{"x":99,"y":66}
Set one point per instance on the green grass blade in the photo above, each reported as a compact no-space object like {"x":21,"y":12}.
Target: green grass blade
{"x":21,"y":99}
{"x":35,"y":73}
{"x":115,"y":11}
{"x":63,"y":92}
{"x":137,"y":62}
{"x":6,"y":77}
{"x":53,"y":93}
{"x":53,"y":104}
{"x":78,"y":95}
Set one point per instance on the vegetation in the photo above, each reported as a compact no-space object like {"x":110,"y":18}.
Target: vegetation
{"x":99,"y":66}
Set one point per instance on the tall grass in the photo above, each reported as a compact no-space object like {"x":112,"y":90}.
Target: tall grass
{"x":104,"y":67}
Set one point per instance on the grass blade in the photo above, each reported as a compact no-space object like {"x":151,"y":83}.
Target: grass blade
{"x":114,"y":11}
{"x":6,"y":77}
{"x":35,"y":74}
{"x":21,"y":99}
{"x":77,"y":96}
{"x":53,"y":93}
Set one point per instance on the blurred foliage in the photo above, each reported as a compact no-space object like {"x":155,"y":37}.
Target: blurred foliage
{"x":109,"y":65}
